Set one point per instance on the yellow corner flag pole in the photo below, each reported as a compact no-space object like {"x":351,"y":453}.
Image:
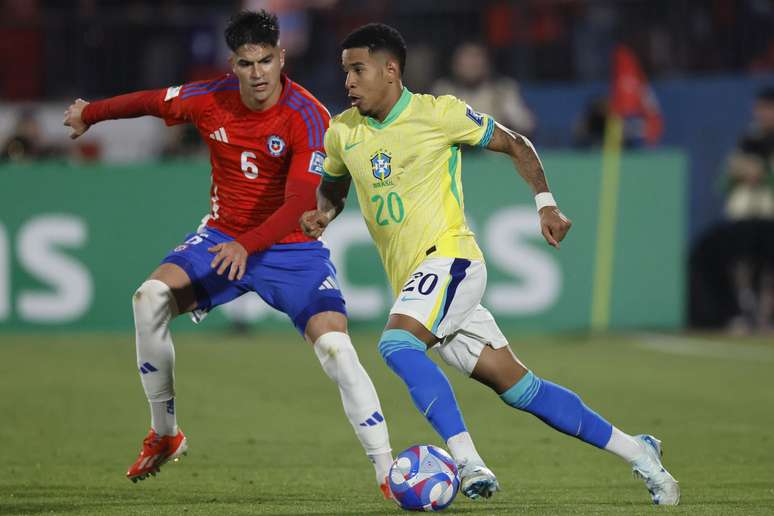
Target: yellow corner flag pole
{"x":606,"y":222}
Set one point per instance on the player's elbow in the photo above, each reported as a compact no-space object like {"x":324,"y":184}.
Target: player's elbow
{"x":518,"y":144}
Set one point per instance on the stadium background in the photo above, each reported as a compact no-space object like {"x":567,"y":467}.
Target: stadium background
{"x":82,"y":223}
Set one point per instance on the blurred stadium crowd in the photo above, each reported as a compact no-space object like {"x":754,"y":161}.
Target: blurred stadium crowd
{"x":100,"y":47}
{"x":57,"y":50}
{"x":497,"y":55}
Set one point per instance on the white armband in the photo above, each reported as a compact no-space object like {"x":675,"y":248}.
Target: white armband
{"x":544,"y":199}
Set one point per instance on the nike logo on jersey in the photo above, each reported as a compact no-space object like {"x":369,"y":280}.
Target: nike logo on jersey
{"x":219,"y":135}
{"x":351,"y":145}
{"x":405,"y":298}
{"x":329,"y":284}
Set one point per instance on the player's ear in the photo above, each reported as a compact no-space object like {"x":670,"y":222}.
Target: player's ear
{"x":393,"y":71}
{"x":282,"y":58}
{"x":232,"y":63}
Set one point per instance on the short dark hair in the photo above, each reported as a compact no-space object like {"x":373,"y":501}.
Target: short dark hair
{"x":766,"y":94}
{"x":375,"y":37}
{"x":252,"y":28}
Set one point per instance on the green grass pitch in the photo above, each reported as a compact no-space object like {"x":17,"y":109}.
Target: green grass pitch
{"x":268,"y":435}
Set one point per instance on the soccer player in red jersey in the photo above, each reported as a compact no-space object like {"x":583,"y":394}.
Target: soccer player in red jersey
{"x":265,"y":135}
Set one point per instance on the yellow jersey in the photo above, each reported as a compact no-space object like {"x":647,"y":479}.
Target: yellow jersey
{"x":406,"y":172}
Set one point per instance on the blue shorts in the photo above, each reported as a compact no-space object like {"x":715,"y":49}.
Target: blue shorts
{"x":296,"y":279}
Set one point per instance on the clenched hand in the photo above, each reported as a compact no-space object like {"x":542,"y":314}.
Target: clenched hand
{"x":73,"y":118}
{"x":314,"y":222}
{"x":554,"y":225}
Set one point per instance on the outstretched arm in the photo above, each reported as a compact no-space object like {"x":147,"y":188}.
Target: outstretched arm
{"x":331,"y":196}
{"x":81,"y":114}
{"x":553,"y":224}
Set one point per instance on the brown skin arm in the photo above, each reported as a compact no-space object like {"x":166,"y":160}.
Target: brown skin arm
{"x":331,"y":196}
{"x":553,"y":224}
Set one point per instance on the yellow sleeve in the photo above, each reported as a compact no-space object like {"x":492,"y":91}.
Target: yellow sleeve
{"x":333,"y":166}
{"x":462,"y":124}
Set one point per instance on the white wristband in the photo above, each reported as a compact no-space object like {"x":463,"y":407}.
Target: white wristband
{"x":544,"y":199}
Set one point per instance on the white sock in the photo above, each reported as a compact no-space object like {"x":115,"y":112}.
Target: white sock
{"x":623,"y":445}
{"x":154,"y":306}
{"x":463,"y":450}
{"x":382,"y":463}
{"x":163,"y":419}
{"x":361,"y":404}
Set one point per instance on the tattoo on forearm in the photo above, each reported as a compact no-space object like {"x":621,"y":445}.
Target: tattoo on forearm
{"x":528,"y":164}
{"x":523,"y":154}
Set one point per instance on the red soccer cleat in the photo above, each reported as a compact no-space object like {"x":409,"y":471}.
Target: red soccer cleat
{"x":385,"y":487}
{"x":156,"y":451}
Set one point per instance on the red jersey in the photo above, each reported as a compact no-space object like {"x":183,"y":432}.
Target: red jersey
{"x":266,"y":165}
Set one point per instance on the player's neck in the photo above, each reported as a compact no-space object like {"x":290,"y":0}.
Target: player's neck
{"x":254,"y":105}
{"x":392,"y":98}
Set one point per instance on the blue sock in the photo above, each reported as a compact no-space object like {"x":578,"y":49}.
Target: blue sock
{"x":560,"y":408}
{"x":428,"y":386}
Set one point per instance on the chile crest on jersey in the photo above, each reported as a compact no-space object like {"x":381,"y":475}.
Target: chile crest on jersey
{"x":276,"y":145}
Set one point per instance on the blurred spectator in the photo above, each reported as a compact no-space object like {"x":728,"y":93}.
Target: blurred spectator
{"x":24,"y":143}
{"x":473,"y":81}
{"x":750,"y":203}
{"x":590,"y":128}
{"x":750,"y":167}
{"x":421,"y":68}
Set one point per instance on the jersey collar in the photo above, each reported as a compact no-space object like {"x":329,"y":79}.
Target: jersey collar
{"x":397,"y":109}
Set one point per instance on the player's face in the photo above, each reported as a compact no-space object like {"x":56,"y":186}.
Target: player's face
{"x":258,"y":68}
{"x":369,"y":77}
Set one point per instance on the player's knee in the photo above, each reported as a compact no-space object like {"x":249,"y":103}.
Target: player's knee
{"x":459,"y":356}
{"x":521,"y":394}
{"x":338,"y":357}
{"x":395,"y":340}
{"x":153,"y":303}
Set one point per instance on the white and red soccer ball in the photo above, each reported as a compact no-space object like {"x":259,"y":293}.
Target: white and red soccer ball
{"x":424,"y":478}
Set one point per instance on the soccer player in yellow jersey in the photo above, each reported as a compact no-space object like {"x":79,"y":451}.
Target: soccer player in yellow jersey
{"x":402,"y":151}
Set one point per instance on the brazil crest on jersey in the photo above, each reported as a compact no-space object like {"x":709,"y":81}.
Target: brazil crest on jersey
{"x":406,"y":171}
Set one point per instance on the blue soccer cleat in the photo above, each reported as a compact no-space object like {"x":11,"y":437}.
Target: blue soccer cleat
{"x":477,"y":481}
{"x":663,"y":488}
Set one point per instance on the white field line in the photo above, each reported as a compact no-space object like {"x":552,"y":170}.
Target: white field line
{"x":698,"y":347}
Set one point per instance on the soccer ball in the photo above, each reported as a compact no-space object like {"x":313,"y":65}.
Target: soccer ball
{"x":424,"y":478}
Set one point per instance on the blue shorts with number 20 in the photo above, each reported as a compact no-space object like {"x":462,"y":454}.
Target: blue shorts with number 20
{"x":296,"y":279}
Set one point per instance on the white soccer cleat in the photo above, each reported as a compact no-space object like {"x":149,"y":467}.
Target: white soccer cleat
{"x":663,"y":488}
{"x":477,"y":481}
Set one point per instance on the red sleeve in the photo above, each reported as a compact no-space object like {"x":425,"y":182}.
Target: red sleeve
{"x":131,"y":105}
{"x":176,"y":104}
{"x":301,"y":186}
{"x":300,"y":196}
